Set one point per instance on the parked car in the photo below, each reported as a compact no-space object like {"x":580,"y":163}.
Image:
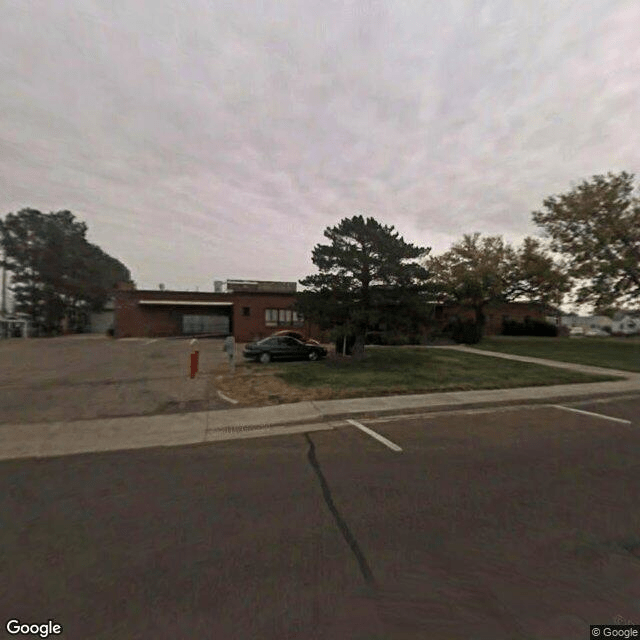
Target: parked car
{"x":295,"y":334}
{"x":596,"y":333}
{"x":576,"y":332}
{"x":283,"y":348}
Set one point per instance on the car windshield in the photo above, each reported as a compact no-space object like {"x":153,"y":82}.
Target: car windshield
{"x":265,"y":342}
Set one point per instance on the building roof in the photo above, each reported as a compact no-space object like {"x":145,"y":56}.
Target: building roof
{"x":260,"y":286}
{"x":203,"y":303}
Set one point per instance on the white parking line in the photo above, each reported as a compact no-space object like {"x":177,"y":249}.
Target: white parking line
{"x":227,"y":398}
{"x":375,"y":435}
{"x":590,"y":413}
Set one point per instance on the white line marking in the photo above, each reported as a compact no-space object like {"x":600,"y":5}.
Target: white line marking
{"x":227,"y":398}
{"x":150,"y":341}
{"x":375,"y":435}
{"x":589,"y":413}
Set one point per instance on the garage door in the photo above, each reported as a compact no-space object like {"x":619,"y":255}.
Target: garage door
{"x":211,"y":324}
{"x":102,"y":321}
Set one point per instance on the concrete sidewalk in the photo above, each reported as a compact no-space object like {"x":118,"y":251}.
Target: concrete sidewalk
{"x":82,"y":436}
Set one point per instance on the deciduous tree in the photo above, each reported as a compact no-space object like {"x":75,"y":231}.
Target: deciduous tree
{"x":596,"y":226}
{"x":55,"y":271}
{"x":478,"y":270}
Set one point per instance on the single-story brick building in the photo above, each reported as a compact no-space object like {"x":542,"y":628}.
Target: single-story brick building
{"x":248,"y":310}
{"x":496,"y":314}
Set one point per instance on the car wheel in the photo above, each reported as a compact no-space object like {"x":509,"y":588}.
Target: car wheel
{"x":265,"y":358}
{"x":313,"y":355}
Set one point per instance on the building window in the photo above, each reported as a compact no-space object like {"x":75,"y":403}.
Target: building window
{"x":283,"y":318}
{"x":246,"y":311}
{"x":271,"y":317}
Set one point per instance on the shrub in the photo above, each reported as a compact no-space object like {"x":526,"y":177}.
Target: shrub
{"x":467,"y":332}
{"x":529,"y":328}
{"x":389,"y":338}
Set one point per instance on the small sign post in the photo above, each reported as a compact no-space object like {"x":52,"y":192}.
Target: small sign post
{"x":194,"y":358}
{"x":230,"y":350}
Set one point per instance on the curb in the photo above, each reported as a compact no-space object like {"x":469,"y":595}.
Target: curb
{"x":429,"y":409}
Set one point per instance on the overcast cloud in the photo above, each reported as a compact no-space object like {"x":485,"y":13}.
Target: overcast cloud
{"x":205,"y":139}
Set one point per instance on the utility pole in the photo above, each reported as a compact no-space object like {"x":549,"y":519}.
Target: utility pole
{"x":4,"y":289}
{"x":4,"y":283}
{"x":3,"y":325}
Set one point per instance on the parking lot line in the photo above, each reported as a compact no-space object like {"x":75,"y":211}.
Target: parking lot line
{"x":590,"y":413}
{"x":227,"y":398}
{"x":375,"y":435}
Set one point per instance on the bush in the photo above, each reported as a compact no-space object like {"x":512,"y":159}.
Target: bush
{"x":466,"y":332}
{"x":529,"y":328}
{"x":389,"y":338}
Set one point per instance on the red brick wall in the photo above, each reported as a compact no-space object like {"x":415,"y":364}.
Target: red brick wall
{"x":135,"y":320}
{"x":494,"y":314}
{"x":253,"y":326}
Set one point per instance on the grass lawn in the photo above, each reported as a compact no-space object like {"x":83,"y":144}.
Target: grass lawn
{"x":392,"y":370}
{"x":615,"y":353}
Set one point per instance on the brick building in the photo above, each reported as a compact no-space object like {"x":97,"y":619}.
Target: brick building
{"x":496,"y":314}
{"x":247,"y":310}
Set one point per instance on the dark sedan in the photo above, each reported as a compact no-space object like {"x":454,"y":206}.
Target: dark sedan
{"x":283,"y":348}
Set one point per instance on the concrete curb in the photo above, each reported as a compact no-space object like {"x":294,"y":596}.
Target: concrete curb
{"x":84,"y":436}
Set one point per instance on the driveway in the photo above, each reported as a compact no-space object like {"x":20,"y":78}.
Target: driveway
{"x":86,"y":377}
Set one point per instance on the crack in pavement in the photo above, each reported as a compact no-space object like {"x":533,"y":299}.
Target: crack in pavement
{"x":365,"y":569}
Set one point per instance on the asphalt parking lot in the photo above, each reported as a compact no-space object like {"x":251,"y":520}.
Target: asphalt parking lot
{"x":86,"y":376}
{"x":506,"y":523}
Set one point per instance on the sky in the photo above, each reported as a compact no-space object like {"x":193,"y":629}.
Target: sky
{"x":207,"y":140}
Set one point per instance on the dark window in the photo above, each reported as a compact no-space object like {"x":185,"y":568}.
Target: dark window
{"x":439,"y":312}
{"x":283,"y":318}
{"x":246,"y":311}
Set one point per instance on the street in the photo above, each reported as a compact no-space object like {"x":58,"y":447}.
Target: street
{"x":517,"y":522}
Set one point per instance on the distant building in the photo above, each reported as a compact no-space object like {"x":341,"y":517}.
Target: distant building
{"x":247,"y":310}
{"x":626,"y":323}
{"x":623,"y":322}
{"x":14,"y":325}
{"x":497,"y":313}
{"x":587,"y":322}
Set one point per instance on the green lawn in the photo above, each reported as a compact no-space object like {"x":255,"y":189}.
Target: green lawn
{"x":390,"y":370}
{"x":615,"y":353}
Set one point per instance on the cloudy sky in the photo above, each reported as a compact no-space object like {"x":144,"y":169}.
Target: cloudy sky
{"x":206,"y":140}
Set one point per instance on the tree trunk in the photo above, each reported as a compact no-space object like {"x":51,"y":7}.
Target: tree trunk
{"x":357,"y":352}
{"x":480,"y":319}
